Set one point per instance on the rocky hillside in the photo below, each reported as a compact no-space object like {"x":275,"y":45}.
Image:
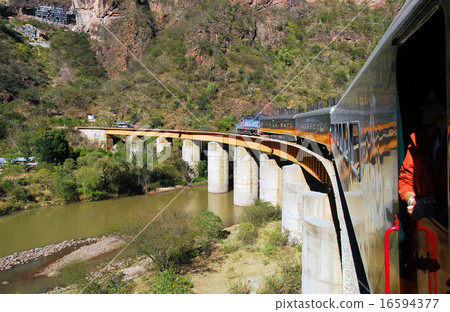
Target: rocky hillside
{"x":180,"y":64}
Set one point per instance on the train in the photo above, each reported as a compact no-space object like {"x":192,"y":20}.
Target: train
{"x":249,"y":124}
{"x":310,"y":129}
{"x":367,"y":133}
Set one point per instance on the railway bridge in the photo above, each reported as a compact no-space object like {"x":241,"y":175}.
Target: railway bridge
{"x":316,"y":219}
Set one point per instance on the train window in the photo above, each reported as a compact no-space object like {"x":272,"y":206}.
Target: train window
{"x":345,"y":140}
{"x":338,"y":135}
{"x":355,"y":149}
{"x":341,"y":137}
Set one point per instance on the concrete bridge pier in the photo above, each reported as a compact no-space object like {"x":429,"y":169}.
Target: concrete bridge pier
{"x":245,"y":173}
{"x":135,"y":150}
{"x":97,"y":137}
{"x":294,"y":184}
{"x":270,"y":180}
{"x":292,"y":212}
{"x":191,"y":153}
{"x":321,"y":265}
{"x":163,"y":146}
{"x":217,"y":167}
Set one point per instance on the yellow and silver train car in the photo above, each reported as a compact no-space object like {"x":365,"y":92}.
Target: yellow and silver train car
{"x":370,"y":128}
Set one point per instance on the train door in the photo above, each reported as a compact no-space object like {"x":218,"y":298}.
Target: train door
{"x":422,"y":76}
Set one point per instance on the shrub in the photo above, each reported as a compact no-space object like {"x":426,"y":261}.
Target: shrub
{"x":99,"y":195}
{"x":116,"y":284}
{"x":240,"y":288}
{"x":269,"y":249}
{"x":66,"y":187}
{"x":222,"y":62}
{"x":168,"y":240}
{"x":21,"y":193}
{"x":289,"y":282}
{"x":340,"y":78}
{"x":261,"y":213}
{"x":209,"y":227}
{"x":8,"y":209}
{"x":169,"y":282}
{"x":230,"y":246}
{"x":247,"y":233}
{"x":202,"y":168}
{"x":227,"y":123}
{"x":8,"y":185}
{"x":278,"y":237}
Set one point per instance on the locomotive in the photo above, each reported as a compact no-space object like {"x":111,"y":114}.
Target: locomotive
{"x":249,"y":124}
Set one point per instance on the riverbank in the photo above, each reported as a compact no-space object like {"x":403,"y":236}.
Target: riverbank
{"x":228,"y":266}
{"x":101,"y":246}
{"x":23,"y":257}
{"x":5,"y":209}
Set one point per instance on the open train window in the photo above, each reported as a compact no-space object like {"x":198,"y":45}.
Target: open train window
{"x":421,"y":69}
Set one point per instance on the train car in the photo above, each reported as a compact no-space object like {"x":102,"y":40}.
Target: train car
{"x":280,"y":127}
{"x":370,"y":128}
{"x":249,"y":124}
{"x":312,"y":130}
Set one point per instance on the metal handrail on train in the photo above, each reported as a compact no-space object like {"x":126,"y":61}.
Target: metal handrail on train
{"x":386,"y":254}
{"x":431,"y":241}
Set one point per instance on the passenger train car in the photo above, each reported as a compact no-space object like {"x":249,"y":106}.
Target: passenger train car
{"x":368,"y":133}
{"x":370,"y":128}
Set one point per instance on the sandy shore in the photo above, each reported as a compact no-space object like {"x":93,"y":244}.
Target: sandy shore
{"x":84,"y":253}
{"x":23,"y":257}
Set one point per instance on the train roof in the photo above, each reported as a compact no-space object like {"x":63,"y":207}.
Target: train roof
{"x":278,"y":117}
{"x":252,"y":116}
{"x":321,"y":111}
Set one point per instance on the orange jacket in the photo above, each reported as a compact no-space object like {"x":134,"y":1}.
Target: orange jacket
{"x":417,"y":173}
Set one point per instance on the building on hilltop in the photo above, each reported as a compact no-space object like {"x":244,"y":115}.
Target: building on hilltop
{"x":32,"y":32}
{"x":53,"y":15}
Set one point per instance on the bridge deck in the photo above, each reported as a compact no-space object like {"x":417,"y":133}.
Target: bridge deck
{"x":310,"y":161}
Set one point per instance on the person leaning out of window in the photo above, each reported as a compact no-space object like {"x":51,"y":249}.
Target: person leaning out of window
{"x":423,"y":175}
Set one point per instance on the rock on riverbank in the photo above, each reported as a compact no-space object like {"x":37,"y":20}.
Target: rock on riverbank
{"x":23,"y":257}
{"x":84,"y":253}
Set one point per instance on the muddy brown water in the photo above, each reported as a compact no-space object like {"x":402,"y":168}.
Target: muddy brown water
{"x":48,"y":225}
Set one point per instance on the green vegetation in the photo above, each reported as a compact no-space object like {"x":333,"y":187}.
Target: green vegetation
{"x":170,"y":282}
{"x":289,"y":282}
{"x":52,"y":147}
{"x":74,"y":273}
{"x":70,"y":176}
{"x":211,"y":55}
{"x":247,"y":233}
{"x":240,"y":287}
{"x":171,"y":238}
{"x":226,"y":271}
{"x":260,"y":213}
{"x":209,"y":227}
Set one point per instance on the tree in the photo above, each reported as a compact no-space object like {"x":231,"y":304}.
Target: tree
{"x":52,"y":146}
{"x":167,"y":240}
{"x":66,"y":186}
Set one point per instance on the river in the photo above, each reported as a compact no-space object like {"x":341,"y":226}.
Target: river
{"x":48,"y":225}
